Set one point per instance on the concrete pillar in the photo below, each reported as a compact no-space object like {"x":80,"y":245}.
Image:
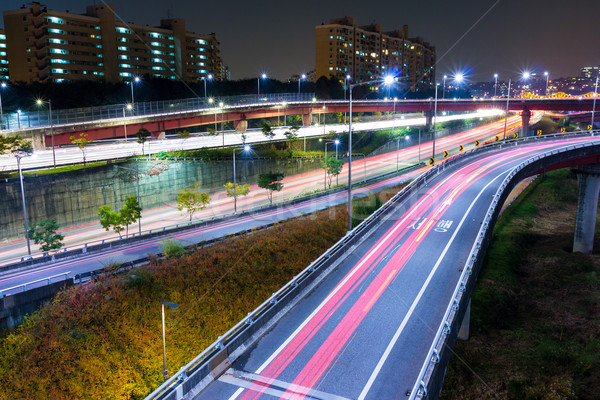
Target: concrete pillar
{"x":587,"y":207}
{"x":463,"y":332}
{"x":306,"y":119}
{"x":428,"y":119}
{"x":525,"y":116}
{"x":241,"y":125}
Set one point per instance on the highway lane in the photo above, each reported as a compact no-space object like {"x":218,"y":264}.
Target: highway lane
{"x":111,"y":151}
{"x":294,"y":186}
{"x":365,"y":330}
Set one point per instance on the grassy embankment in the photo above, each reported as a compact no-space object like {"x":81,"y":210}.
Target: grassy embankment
{"x":102,"y":340}
{"x":536,"y":308}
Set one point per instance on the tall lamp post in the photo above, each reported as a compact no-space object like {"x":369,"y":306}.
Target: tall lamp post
{"x":388,"y":80}
{"x":525,"y":76}
{"x":263,"y":76}
{"x":137,"y":174}
{"x":128,"y":107}
{"x":209,"y":76}
{"x":495,"y":84}
{"x":444,"y":88}
{"x":594,"y":103}
{"x":246,"y":148}
{"x":172,"y":305}
{"x":547,"y":75}
{"x":20,"y":153}
{"x":303,"y":76}
{"x":39,"y":102}
{"x":2,"y":86}
{"x":134,"y":80}
{"x":435,"y":120}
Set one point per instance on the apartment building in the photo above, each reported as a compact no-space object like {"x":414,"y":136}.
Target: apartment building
{"x":46,"y":45}
{"x":3,"y":57}
{"x":367,"y":53}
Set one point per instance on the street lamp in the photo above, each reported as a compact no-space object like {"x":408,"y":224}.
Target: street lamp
{"x":458,"y":78}
{"x":137,"y":173}
{"x":444,"y":88}
{"x":388,"y":80}
{"x":39,"y":102}
{"x":263,"y":76}
{"x":2,"y":86}
{"x":136,"y":80}
{"x":20,"y":153}
{"x":435,"y":120}
{"x":525,"y":76}
{"x":495,"y":84}
{"x":209,"y":76}
{"x":172,"y":305}
{"x":303,"y":76}
{"x":547,"y":75}
{"x":346,"y":79}
{"x":246,"y":148}
{"x":128,"y":107}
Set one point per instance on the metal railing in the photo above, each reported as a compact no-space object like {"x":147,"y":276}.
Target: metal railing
{"x":23,"y":287}
{"x":41,"y":118}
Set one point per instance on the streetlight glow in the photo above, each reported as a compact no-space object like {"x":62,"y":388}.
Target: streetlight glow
{"x":39,"y":102}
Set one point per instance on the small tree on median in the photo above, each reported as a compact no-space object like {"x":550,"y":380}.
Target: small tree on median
{"x":82,"y":141}
{"x":120,"y":221}
{"x":45,"y":233}
{"x":334,"y":168}
{"x":191,"y":200}
{"x":271,"y":181}
{"x":142,"y":137}
{"x":267,"y":130}
{"x":240,"y":190}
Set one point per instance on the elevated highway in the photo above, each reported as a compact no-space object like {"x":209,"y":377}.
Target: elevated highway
{"x":377,"y":315}
{"x":112,"y":122}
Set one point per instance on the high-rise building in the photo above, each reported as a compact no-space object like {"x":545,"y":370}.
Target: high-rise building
{"x":367,"y":53}
{"x":3,"y":57}
{"x":46,"y":45}
{"x":590,"y":72}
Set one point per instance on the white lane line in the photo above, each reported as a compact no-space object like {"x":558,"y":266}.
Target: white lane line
{"x":392,"y":343}
{"x":274,"y":387}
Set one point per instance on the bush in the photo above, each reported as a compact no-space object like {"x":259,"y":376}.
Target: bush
{"x":172,"y":248}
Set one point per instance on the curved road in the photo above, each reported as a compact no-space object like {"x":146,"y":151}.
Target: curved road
{"x":364,"y":332}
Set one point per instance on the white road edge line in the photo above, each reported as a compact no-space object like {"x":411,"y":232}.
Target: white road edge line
{"x":392,"y":343}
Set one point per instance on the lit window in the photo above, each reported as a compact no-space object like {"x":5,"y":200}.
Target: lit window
{"x":157,"y":52}
{"x":55,"y":20}
{"x":59,"y":71}
{"x":57,"y":51}
{"x":156,"y":35}
{"x":3,"y":45}
{"x":200,"y":41}
{"x":59,"y":80}
{"x":124,"y":65}
{"x":58,"y":61}
{"x":123,"y":57}
{"x":2,"y":36}
{"x":155,"y":44}
{"x":122,"y":48}
{"x":123,"y":74}
{"x":122,"y":30}
{"x":157,"y":68}
{"x":156,"y":60}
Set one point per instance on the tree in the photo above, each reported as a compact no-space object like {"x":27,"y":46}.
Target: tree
{"x":267,"y":130}
{"x":45,"y":233}
{"x":271,"y":181}
{"x":120,"y":221}
{"x":11,"y":144}
{"x":191,"y":200}
{"x":240,"y":190}
{"x":334,"y":168}
{"x":184,"y":134}
{"x":142,"y":137}
{"x":292,"y":133}
{"x":82,"y":141}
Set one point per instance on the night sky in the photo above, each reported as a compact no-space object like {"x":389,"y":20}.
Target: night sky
{"x":480,"y":37}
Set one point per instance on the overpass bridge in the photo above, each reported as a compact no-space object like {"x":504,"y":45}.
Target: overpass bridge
{"x":117,"y":121}
{"x":377,"y":315}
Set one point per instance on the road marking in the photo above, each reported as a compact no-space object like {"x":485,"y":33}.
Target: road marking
{"x":274,"y":387}
{"x":392,"y":343}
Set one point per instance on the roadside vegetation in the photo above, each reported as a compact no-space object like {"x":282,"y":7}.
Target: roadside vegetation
{"x":536,"y":306}
{"x":103,"y":340}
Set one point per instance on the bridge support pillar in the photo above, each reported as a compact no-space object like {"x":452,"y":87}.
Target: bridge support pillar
{"x":307,"y":119}
{"x":241,"y":125}
{"x":525,"y":116}
{"x":428,"y":119}
{"x":463,"y":332}
{"x":587,"y":208}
